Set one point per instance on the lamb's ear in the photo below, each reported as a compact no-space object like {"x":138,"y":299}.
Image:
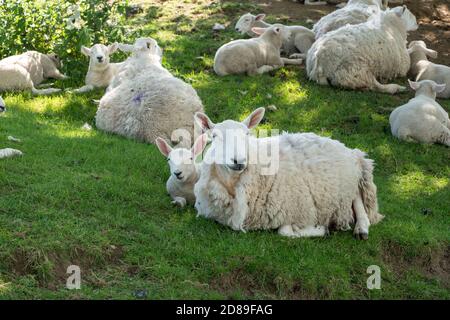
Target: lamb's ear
{"x":163,"y":146}
{"x":398,"y":11}
{"x":203,"y":121}
{"x":113,"y":47}
{"x":260,"y":17}
{"x":414,"y":85}
{"x":199,"y":144}
{"x":86,"y":51}
{"x":439,"y":87}
{"x":258,"y":31}
{"x":254,"y":118}
{"x":125,"y":47}
{"x":431,"y":53}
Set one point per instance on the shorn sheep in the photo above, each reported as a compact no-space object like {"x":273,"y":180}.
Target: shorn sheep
{"x":296,"y":39}
{"x":422,"y":69}
{"x":149,"y":104}
{"x":101,"y":71}
{"x":311,"y":183}
{"x":422,"y":119}
{"x":355,"y":12}
{"x":184,"y":170}
{"x":355,"y":56}
{"x":252,"y":56}
{"x":28,"y":70}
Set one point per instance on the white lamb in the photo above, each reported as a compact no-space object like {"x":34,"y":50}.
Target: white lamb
{"x":2,"y":105}
{"x":422,"y":119}
{"x":252,"y":56}
{"x":28,"y":70}
{"x":9,"y":153}
{"x":422,"y":69}
{"x":355,"y":56}
{"x":296,"y":39}
{"x":304,"y":186}
{"x":184,"y":170}
{"x":101,"y":71}
{"x":355,"y":12}
{"x":149,"y":104}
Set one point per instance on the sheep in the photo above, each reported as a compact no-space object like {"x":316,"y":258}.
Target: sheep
{"x":422,"y":119}
{"x":28,"y":70}
{"x":296,"y":39}
{"x":355,"y":56}
{"x":8,"y":153}
{"x":101,"y":71}
{"x":355,"y":12}
{"x":184,"y":171}
{"x":2,"y":105}
{"x":304,"y":186}
{"x":252,"y":56}
{"x":422,"y":69}
{"x":149,"y":104}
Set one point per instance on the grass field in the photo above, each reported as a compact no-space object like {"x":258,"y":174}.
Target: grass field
{"x":99,"y":201}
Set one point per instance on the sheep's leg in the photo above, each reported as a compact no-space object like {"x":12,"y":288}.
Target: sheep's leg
{"x":261,"y":70}
{"x":445,"y":137}
{"x":45,"y":85}
{"x":179,"y":201}
{"x":388,"y":88}
{"x":297,"y":56}
{"x":40,"y":92}
{"x":361,"y":230}
{"x":84,"y":89}
{"x":292,"y":61}
{"x":293,"y":231}
{"x":312,"y":3}
{"x":55,"y":74}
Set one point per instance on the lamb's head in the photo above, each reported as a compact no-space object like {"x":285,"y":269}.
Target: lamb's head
{"x":143,"y":45}
{"x":428,"y":88}
{"x":420,"y":46}
{"x":247,"y":21}
{"x":55,"y":59}
{"x":274,"y":34}
{"x":99,"y":55}
{"x":230,"y":140}
{"x":181,"y":160}
{"x":408,"y":19}
{"x":2,"y":105}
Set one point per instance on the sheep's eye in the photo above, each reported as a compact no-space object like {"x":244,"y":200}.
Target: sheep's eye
{"x":214,"y":136}
{"x":168,"y":159}
{"x":148,"y":45}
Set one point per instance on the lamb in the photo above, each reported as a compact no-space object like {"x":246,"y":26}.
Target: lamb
{"x":422,"y":119}
{"x":184,"y":171}
{"x":296,"y":39}
{"x":2,"y":105}
{"x":252,"y":56}
{"x":422,"y":69}
{"x":101,"y":71}
{"x":9,"y":153}
{"x":355,"y":12}
{"x":149,"y":104}
{"x":355,"y":56}
{"x":304,"y":185}
{"x":28,"y":70}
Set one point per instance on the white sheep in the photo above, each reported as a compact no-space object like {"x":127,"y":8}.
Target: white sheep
{"x":101,"y":71}
{"x":2,"y":105}
{"x":8,"y":153}
{"x":422,"y":69}
{"x":355,"y":12}
{"x":184,"y":170}
{"x":149,"y":104}
{"x":252,"y":56}
{"x":28,"y":70}
{"x":422,"y":119}
{"x":355,"y":56}
{"x":300,"y":184}
{"x":296,"y":39}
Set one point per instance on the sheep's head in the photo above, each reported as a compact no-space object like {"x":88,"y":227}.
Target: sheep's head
{"x":2,"y":105}
{"x":99,"y":54}
{"x":182,"y":161}
{"x":276,"y":33}
{"x":426,"y":87}
{"x":55,"y":59}
{"x":246,"y":22}
{"x":229,"y":147}
{"x":408,"y":19}
{"x":420,"y":46}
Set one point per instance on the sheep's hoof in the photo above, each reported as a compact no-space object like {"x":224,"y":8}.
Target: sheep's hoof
{"x":362,"y":236}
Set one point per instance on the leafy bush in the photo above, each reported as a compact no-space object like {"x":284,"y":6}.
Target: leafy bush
{"x":60,"y":26}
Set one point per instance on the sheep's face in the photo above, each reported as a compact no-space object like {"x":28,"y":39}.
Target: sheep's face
{"x":182,"y":161}
{"x":2,"y":105}
{"x":148,"y":44}
{"x":427,"y":87}
{"x":247,"y":21}
{"x":55,"y":59}
{"x":409,"y":20}
{"x":229,"y":148}
{"x":420,"y":46}
{"x":99,"y":54}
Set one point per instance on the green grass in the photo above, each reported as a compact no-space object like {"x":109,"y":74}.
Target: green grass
{"x":99,"y":201}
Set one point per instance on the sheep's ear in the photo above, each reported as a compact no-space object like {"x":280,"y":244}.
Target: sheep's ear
{"x":254,"y":118}
{"x":439,"y":87}
{"x":258,"y":31}
{"x":199,"y":144}
{"x":431,"y":53}
{"x":260,"y":17}
{"x":125,"y":47}
{"x":414,"y":85}
{"x":113,"y":47}
{"x":203,"y":121}
{"x":163,"y":146}
{"x":398,"y":11}
{"x":86,"y":51}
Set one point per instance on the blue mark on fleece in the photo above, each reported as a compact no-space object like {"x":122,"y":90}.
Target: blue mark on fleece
{"x":138,"y":98}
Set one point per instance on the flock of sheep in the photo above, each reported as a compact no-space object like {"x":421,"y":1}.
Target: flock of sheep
{"x":318,"y":183}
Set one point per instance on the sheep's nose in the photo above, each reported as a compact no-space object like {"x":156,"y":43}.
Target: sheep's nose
{"x":2,"y":108}
{"x":177,"y":174}
{"x":237,"y":29}
{"x":100,"y":59}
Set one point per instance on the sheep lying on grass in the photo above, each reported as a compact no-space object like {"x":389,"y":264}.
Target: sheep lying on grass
{"x":296,"y":39}
{"x":184,"y":171}
{"x":101,"y":71}
{"x":252,"y":56}
{"x":28,"y":70}
{"x":355,"y":12}
{"x":422,"y":119}
{"x":422,"y":69}
{"x":355,"y":56}
{"x":8,"y":153}
{"x":305,"y":185}
{"x":149,"y":104}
